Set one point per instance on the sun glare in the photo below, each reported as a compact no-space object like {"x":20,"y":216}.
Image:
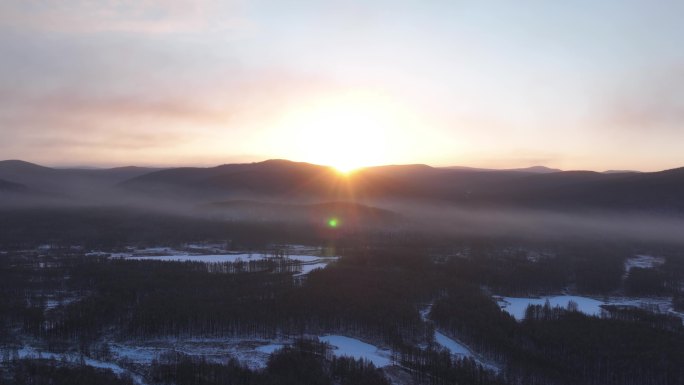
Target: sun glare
{"x":347,"y":132}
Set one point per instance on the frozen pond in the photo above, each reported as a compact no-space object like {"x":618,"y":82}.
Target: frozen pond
{"x":517,"y":306}
{"x":351,"y":347}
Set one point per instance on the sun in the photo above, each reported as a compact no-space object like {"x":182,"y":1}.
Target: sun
{"x":347,"y":132}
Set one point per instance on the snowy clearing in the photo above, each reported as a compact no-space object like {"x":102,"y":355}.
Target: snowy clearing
{"x":454,"y":347}
{"x":30,"y":352}
{"x":517,"y":306}
{"x":216,"y":258}
{"x":351,"y":347}
{"x":270,"y":348}
{"x":308,"y":268}
{"x":250,"y":352}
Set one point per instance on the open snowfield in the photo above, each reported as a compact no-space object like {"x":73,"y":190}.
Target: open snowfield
{"x":454,"y":347}
{"x":590,"y":306}
{"x":517,"y":306}
{"x":351,"y":347}
{"x":308,"y":268}
{"x":269,"y":348}
{"x":30,"y":352}
{"x":216,"y":258}
{"x":253,"y":353}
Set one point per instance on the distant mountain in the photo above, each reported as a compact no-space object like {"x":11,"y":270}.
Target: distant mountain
{"x":49,"y":180}
{"x":620,"y":172}
{"x":297,"y":182}
{"x":272,"y":177}
{"x":537,"y":169}
{"x":528,"y":188}
{"x":533,"y":169}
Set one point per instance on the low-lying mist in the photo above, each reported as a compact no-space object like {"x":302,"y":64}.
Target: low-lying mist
{"x":441,"y":221}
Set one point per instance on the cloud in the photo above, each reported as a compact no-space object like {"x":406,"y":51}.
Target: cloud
{"x":136,"y":16}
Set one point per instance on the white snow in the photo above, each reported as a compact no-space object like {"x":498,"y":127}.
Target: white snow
{"x":308,"y":268}
{"x":253,"y":353}
{"x":454,"y":347}
{"x":270,"y":348}
{"x":30,"y":352}
{"x":216,"y":258}
{"x":517,"y":306}
{"x":351,"y":347}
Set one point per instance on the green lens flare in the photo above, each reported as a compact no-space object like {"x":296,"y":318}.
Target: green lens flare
{"x":333,"y":222}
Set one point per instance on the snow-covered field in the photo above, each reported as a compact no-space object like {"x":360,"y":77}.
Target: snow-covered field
{"x":309,"y":258}
{"x":517,"y":306}
{"x":269,"y":348}
{"x":253,"y":353}
{"x":454,"y":347}
{"x":351,"y":347}
{"x":308,"y":268}
{"x":30,"y":352}
{"x":216,"y":258}
{"x":590,"y":306}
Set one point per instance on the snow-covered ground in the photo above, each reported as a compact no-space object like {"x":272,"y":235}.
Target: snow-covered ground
{"x":454,"y":347}
{"x":517,"y":306}
{"x":216,"y":258}
{"x":30,"y":352}
{"x":310,"y":258}
{"x":590,"y":306}
{"x":351,"y":347}
{"x":253,"y":353}
{"x":269,"y":348}
{"x":308,"y":268}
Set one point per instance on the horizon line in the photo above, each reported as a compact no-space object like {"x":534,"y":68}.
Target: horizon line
{"x":81,"y":166}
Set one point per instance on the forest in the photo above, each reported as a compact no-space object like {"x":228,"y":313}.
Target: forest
{"x":392,"y":290}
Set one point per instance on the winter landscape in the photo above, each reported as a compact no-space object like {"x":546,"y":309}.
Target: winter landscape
{"x":296,"y":192}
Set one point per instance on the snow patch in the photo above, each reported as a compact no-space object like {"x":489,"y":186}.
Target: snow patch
{"x":452,"y":346}
{"x":216,"y":258}
{"x":32,"y":353}
{"x":351,"y":347}
{"x":308,"y":268}
{"x":270,"y":348}
{"x":517,"y":306}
